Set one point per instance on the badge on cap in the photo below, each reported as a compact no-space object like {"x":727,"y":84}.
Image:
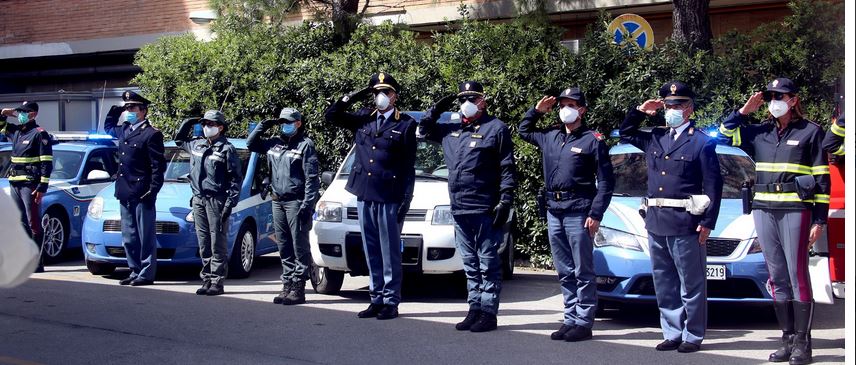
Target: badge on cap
{"x":467,"y":86}
{"x":674,"y":88}
{"x":380,"y":77}
{"x":127,"y":94}
{"x":567,"y":91}
{"x":775,"y":83}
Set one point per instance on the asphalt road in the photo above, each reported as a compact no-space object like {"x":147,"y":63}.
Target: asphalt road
{"x":67,"y":316}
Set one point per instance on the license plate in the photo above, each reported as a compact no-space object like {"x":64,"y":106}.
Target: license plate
{"x":715,"y":272}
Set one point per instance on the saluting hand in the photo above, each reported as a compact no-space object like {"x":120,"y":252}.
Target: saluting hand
{"x":545,"y":104}
{"x":8,"y":112}
{"x":592,"y":225}
{"x":703,"y":234}
{"x":753,"y":104}
{"x":651,"y":106}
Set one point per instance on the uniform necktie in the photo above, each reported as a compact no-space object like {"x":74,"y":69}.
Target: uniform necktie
{"x":671,"y":139}
{"x":380,"y":121}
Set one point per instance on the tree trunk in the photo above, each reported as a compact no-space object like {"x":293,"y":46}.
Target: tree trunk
{"x":691,"y":24}
{"x":344,"y":18}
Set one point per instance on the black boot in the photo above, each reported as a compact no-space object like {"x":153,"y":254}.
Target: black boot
{"x":801,"y":352}
{"x":785,"y":315}
{"x":486,"y":322}
{"x":204,"y":289}
{"x":286,"y":288}
{"x":472,"y":316}
{"x":297,"y":294}
{"x":215,"y":289}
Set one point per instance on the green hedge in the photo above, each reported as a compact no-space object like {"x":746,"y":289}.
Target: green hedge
{"x":256,"y":70}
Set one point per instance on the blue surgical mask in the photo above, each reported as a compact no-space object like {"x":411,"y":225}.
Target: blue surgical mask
{"x":23,"y":118}
{"x":674,"y":117}
{"x":289,"y":129}
{"x":131,"y":117}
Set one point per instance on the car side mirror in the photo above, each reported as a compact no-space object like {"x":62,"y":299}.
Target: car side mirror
{"x":95,"y":175}
{"x":327,"y":177}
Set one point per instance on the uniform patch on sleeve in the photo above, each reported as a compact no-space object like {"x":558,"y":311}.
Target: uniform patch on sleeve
{"x":598,"y":136}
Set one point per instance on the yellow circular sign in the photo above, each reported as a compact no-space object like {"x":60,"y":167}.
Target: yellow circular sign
{"x":631,"y":29}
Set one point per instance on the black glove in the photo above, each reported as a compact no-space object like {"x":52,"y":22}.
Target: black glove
{"x":185,"y":128}
{"x":403,"y":208}
{"x":113,"y":115}
{"x":445,"y":103}
{"x":501,"y":213}
{"x":304,"y":213}
{"x":225,"y":214}
{"x":269,"y":123}
{"x":356,"y":95}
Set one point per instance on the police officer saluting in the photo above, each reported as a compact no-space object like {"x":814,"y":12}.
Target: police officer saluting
{"x":579,"y":182}
{"x":382,"y":178}
{"x":141,"y":169}
{"x":790,"y":205}
{"x":215,"y":178}
{"x":684,"y":191}
{"x":479,"y":154}
{"x":30,"y":170}
{"x":294,"y":169}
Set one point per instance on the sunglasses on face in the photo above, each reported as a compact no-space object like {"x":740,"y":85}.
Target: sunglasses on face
{"x":470,"y":98}
{"x":773,"y":96}
{"x":384,"y":91}
{"x":131,"y":107}
{"x":208,"y":123}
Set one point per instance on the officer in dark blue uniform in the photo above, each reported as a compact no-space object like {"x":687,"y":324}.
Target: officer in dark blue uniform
{"x":294,"y":168}
{"x":141,"y":169}
{"x":215,"y":179}
{"x":30,"y":169}
{"x":382,"y":178}
{"x":579,"y":181}
{"x":479,"y":154}
{"x":684,"y":191}
{"x":833,"y":143}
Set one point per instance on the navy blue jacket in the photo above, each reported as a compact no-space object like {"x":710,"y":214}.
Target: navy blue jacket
{"x":293,"y":164}
{"x":689,"y":167}
{"x":32,"y":156}
{"x":141,"y":160}
{"x":215,"y":169}
{"x":572,"y":163}
{"x":480,"y":159}
{"x":383,"y":170}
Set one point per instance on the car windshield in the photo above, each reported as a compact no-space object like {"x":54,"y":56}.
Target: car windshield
{"x":178,"y":163}
{"x":429,"y":162}
{"x":631,"y":176}
{"x":66,"y":164}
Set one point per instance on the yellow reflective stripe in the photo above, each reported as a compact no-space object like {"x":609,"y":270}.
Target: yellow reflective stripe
{"x":838,"y":131}
{"x":25,"y":159}
{"x":821,"y":198}
{"x":45,"y":158}
{"x":736,"y":141}
{"x":839,"y":151}
{"x":820,"y":170}
{"x":784,"y":167}
{"x":778,"y":197}
{"x":45,"y":180}
{"x":20,"y":178}
{"x":725,"y":131}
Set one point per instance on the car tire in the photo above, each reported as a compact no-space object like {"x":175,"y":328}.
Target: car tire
{"x":97,"y":268}
{"x":55,"y":234}
{"x":325,"y":280}
{"x":508,"y":258}
{"x":243,"y":254}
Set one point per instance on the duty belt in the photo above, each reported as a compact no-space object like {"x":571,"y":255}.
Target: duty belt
{"x":776,"y":188}
{"x":566,"y":195}
{"x":664,"y":202}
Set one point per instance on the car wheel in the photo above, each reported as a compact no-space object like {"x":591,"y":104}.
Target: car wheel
{"x":243,"y":255}
{"x":55,"y":235}
{"x":97,"y":268}
{"x":325,"y":280}
{"x":508,"y":258}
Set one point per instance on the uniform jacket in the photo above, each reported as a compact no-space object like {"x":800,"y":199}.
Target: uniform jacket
{"x":141,"y":160}
{"x":215,"y":169}
{"x":689,"y":167}
{"x":383,"y":170}
{"x":480,"y":159}
{"x":780,"y":158}
{"x":293,"y":164}
{"x":834,"y":141}
{"x":32,"y":156}
{"x":572,"y":163}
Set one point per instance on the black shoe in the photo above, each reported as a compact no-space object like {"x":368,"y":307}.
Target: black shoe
{"x":783,"y":354}
{"x":578,"y":333}
{"x":141,"y":282}
{"x":486,"y":322}
{"x":204,"y":289}
{"x":296,"y":296}
{"x":668,"y":345}
{"x":688,"y":347}
{"x":801,"y":352}
{"x":785,"y":316}
{"x":126,"y":281}
{"x":40,"y":269}
{"x":560,"y":333}
{"x":215,"y":289}
{"x":286,"y":288}
{"x":472,"y":316}
{"x":371,"y":311}
{"x":388,"y":312}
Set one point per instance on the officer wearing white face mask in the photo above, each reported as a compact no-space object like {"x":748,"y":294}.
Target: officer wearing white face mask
{"x":684,"y":192}
{"x":790,"y":204}
{"x":215,"y":179}
{"x":579,"y":181}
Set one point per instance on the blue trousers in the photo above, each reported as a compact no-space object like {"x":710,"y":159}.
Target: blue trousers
{"x":382,"y":244}
{"x":571,"y":246}
{"x":478,"y":242}
{"x":680,"y":281}
{"x":138,"y":238}
{"x":292,"y":241}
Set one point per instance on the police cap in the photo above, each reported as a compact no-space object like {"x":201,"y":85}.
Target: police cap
{"x":215,"y":116}
{"x":130,"y":97}
{"x":676,"y":92}
{"x":28,"y":107}
{"x":290,"y":115}
{"x":573,"y":93}
{"x":383,"y":81}
{"x":468,"y":88}
{"x":781,"y":85}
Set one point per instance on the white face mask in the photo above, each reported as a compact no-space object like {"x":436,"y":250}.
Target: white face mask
{"x":568,"y":115}
{"x":674,"y":117}
{"x":381,"y":101}
{"x":778,"y":108}
{"x":468,"y":109}
{"x":210,"y":131}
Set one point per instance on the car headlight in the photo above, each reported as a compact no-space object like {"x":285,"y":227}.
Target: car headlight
{"x":755,"y":247}
{"x":189,"y":217}
{"x":96,"y":208}
{"x":613,"y":237}
{"x":328,"y":212}
{"x":442,"y":216}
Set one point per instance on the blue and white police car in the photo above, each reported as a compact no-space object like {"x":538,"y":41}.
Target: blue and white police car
{"x":83,"y":164}
{"x":250,"y":230}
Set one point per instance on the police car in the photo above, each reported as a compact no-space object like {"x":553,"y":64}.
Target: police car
{"x":428,"y":236}
{"x":83,"y":164}
{"x":250,"y":231}
{"x":736,"y":271}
